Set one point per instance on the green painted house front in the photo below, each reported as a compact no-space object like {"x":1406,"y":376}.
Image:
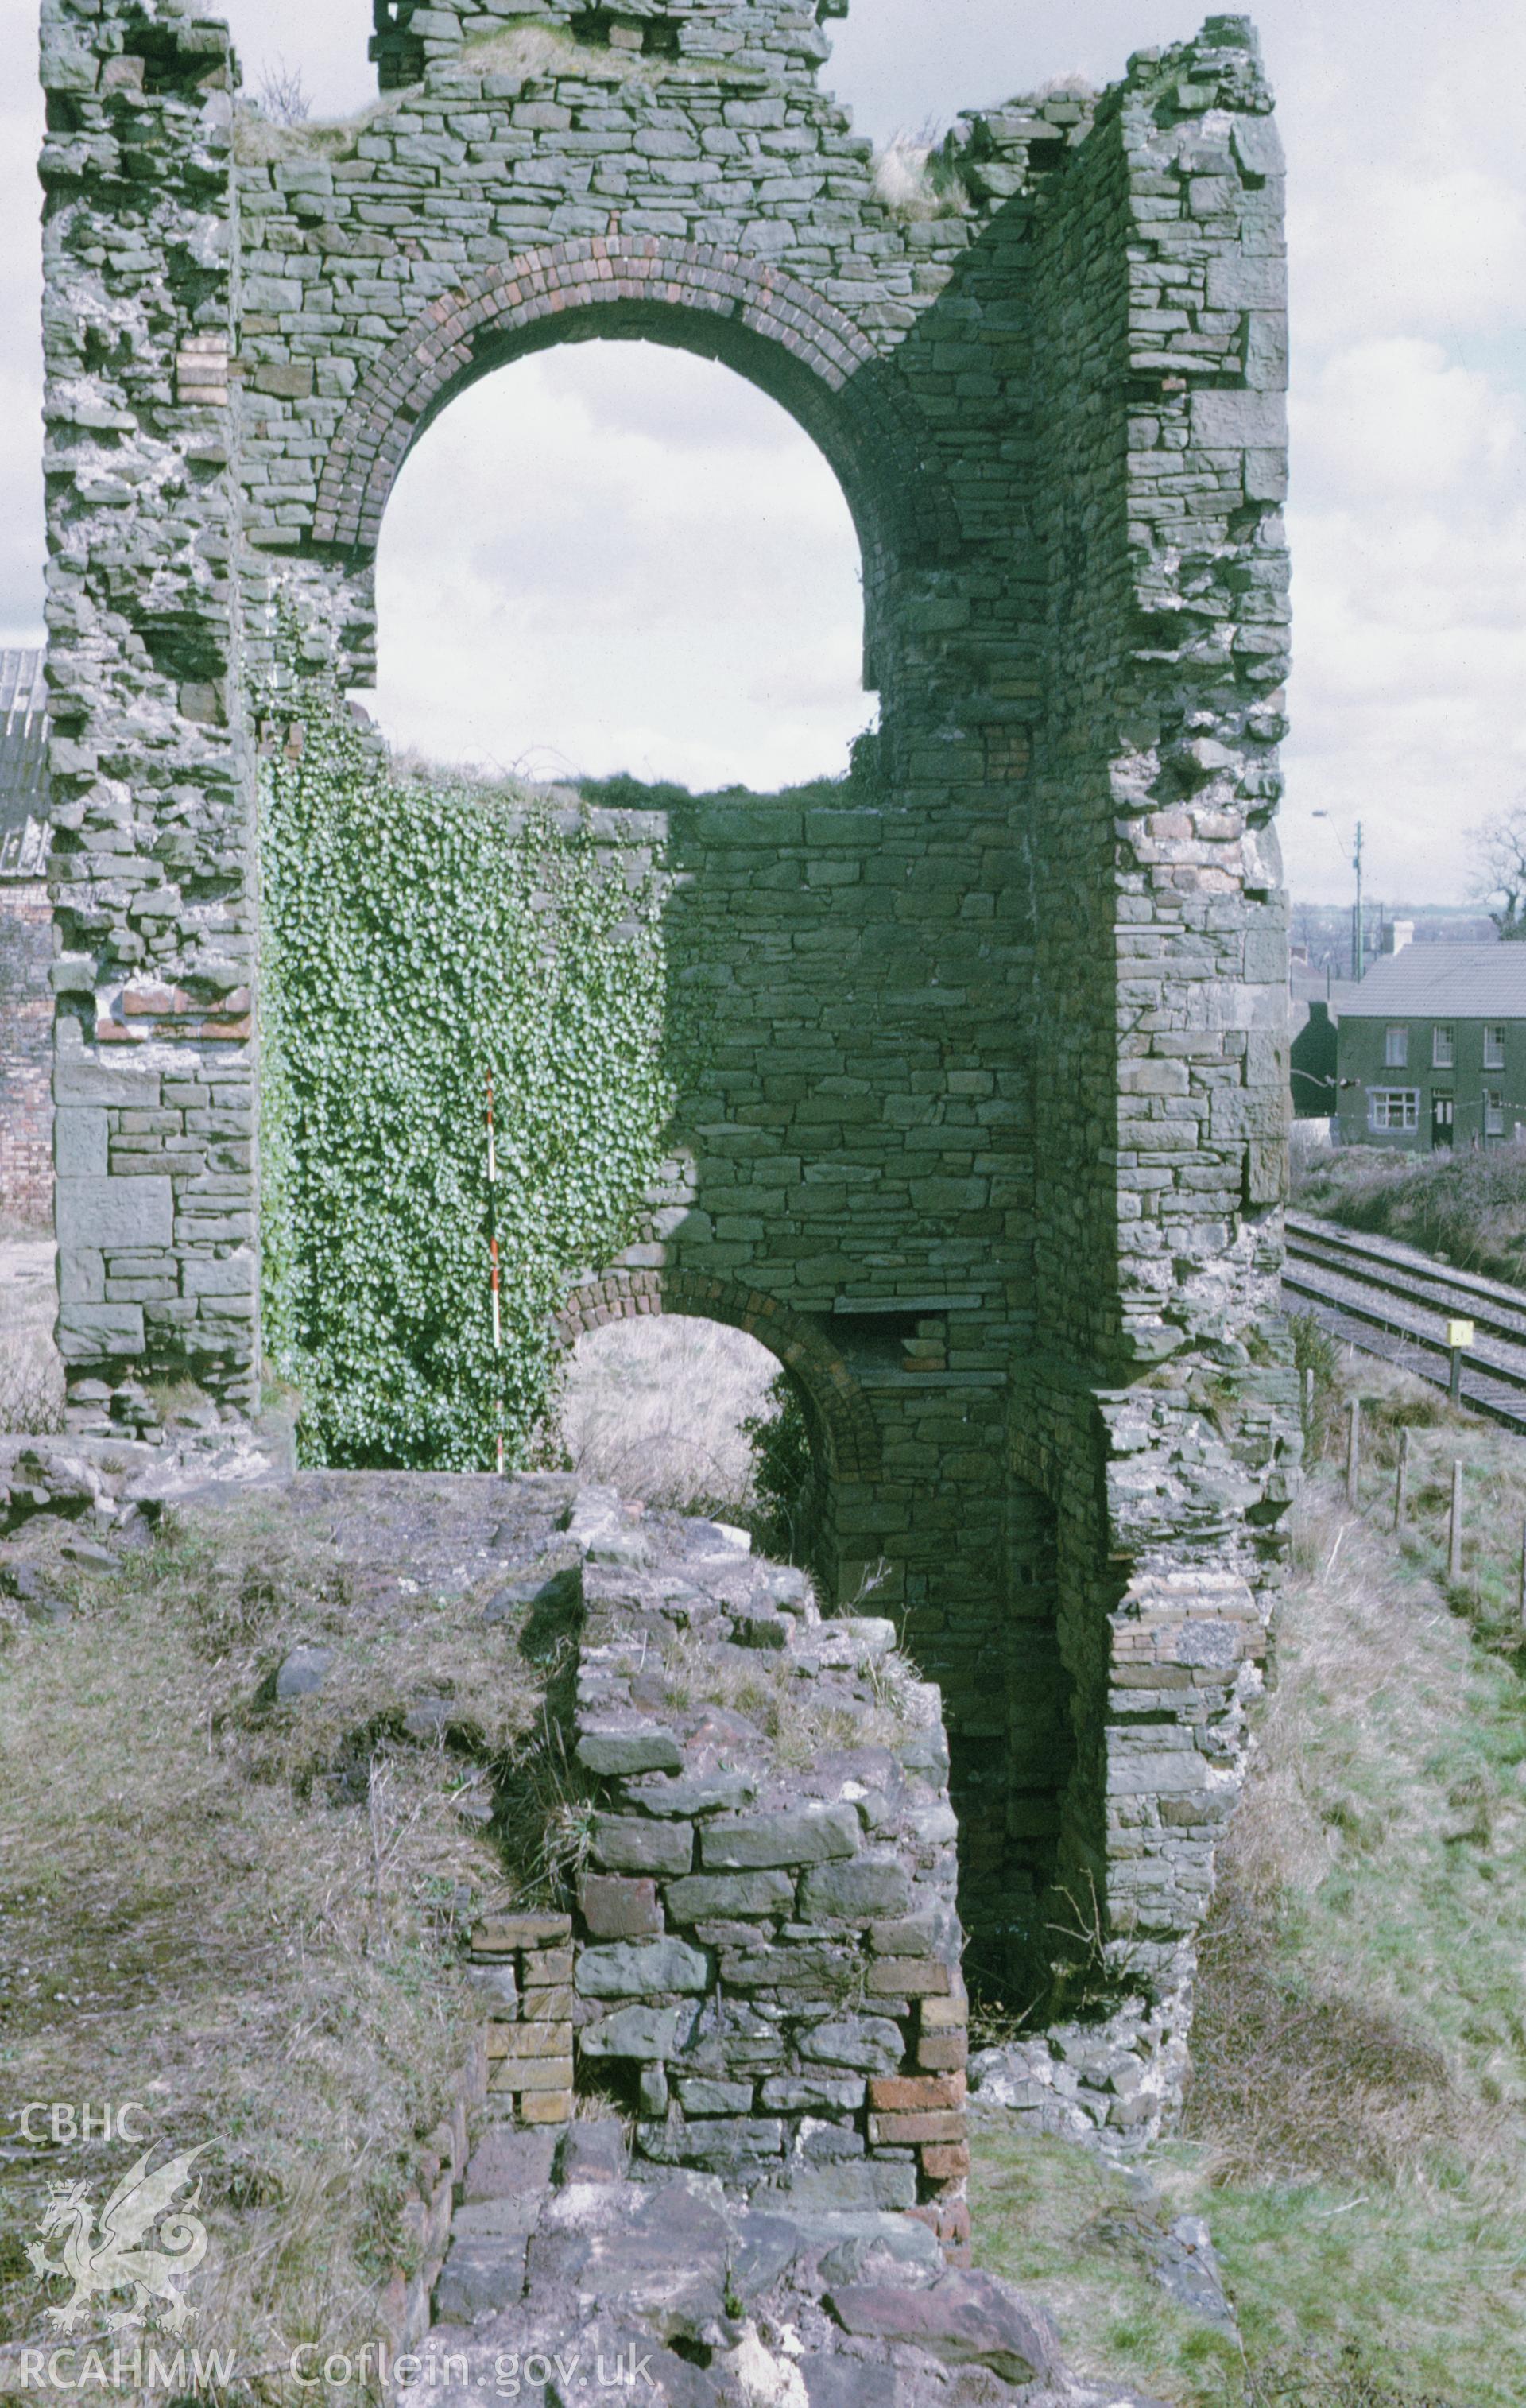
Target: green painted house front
{"x":1432,"y":1048}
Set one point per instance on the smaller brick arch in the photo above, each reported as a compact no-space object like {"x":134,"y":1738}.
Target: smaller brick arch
{"x":851,"y":1434}
{"x":757,"y":319}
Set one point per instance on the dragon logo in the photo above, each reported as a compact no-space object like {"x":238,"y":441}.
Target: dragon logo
{"x":112,"y":2260}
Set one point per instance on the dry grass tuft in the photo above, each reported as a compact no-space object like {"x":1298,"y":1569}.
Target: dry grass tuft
{"x":654,"y":1406}
{"x":31,"y":1366}
{"x":247,"y":1914}
{"x":537,"y":50}
{"x":1305,"y":2060}
{"x":914,"y":181}
{"x":1359,"y":2087}
{"x":1296,"y":2078}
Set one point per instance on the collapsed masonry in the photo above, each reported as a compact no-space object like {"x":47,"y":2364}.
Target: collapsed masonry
{"x":765,"y":1964}
{"x":988,"y":1145}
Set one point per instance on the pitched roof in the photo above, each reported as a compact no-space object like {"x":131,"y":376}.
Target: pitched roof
{"x":1443,"y":982}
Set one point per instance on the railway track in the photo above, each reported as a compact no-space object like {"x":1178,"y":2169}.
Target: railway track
{"x":1394,"y":1302}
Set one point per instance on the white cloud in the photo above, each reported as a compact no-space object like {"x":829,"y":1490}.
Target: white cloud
{"x":1409,"y":551}
{"x":560,"y":582}
{"x":1442,"y":250}
{"x":1393,"y":421}
{"x":20,"y":350}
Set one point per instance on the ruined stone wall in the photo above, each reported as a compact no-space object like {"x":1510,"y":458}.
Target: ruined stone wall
{"x":26,"y":1058}
{"x":762,"y":1970}
{"x":1162,"y":271}
{"x":984,"y":1132}
{"x":151,"y":868}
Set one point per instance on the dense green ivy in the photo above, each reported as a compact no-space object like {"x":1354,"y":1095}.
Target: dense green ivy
{"x":417,"y":934}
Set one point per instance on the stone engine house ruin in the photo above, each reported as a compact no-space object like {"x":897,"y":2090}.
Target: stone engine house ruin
{"x":990,"y":1145}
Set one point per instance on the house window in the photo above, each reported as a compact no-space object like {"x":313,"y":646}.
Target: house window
{"x":1396,"y":1050}
{"x":1442,"y":1050}
{"x":1493,"y":1047}
{"x":1393,"y":1108}
{"x":1493,"y":1112}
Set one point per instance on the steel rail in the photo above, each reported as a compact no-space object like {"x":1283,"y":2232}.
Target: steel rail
{"x":1355,"y":1300}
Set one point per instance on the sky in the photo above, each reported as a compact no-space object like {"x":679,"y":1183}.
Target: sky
{"x":615,"y":556}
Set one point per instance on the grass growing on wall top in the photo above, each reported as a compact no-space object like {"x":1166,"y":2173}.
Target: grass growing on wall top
{"x":417,"y":933}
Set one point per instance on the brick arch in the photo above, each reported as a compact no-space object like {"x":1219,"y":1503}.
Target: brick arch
{"x":852,"y":1434}
{"x":753,"y":316}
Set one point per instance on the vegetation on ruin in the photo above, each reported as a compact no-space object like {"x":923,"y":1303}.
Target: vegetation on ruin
{"x":31,"y":1366}
{"x":918,"y":180}
{"x":266,"y":128}
{"x":1356,"y":2129}
{"x":418,"y":935}
{"x":1467,"y":1207}
{"x":244,"y":1914}
{"x":658,"y":1407}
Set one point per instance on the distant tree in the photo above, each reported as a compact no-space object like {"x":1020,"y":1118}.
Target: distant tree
{"x":1499,"y":850}
{"x":284,"y":96}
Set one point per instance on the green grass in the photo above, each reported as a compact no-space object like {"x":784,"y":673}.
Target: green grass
{"x":1356,"y":2132}
{"x":1052,"y":2218}
{"x":1425,"y":2294}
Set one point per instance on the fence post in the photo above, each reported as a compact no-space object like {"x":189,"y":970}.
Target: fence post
{"x":1454,"y":1552}
{"x":1400,"y":1482}
{"x":1308,"y":1403}
{"x":1353,"y":1449}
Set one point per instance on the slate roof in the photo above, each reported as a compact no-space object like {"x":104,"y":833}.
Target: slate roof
{"x":23,"y":764}
{"x":1443,"y":982}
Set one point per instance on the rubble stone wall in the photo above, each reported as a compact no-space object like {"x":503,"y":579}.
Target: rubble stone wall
{"x":763,"y":1967}
{"x":987,"y":1130}
{"x":26,"y":1059}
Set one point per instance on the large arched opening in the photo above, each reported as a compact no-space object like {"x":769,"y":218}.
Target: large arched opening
{"x":616,"y":556}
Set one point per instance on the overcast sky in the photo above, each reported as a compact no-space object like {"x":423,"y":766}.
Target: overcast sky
{"x":615,"y":556}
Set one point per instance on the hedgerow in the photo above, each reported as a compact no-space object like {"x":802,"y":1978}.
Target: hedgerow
{"x":418,"y":934}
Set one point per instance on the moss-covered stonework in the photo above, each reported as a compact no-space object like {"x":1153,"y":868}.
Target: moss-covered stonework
{"x":989,"y":1141}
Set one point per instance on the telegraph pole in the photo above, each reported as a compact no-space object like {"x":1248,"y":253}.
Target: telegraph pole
{"x":1356,"y":931}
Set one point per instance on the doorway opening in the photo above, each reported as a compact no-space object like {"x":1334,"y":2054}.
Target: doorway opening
{"x":696,"y":1417}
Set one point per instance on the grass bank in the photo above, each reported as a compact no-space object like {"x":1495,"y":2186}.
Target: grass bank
{"x":1356,"y":2132}
{"x":1469,"y":1209}
{"x":244,"y":1912}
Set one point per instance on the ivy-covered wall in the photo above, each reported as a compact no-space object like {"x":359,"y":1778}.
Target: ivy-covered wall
{"x":416,"y":935}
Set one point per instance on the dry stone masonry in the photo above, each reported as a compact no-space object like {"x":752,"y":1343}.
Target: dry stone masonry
{"x":987,"y":1142}
{"x":761,"y":1976}
{"x":766,"y":1957}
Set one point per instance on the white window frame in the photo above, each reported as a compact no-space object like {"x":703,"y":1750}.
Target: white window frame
{"x":1493,"y":1045}
{"x":1393,"y":1108}
{"x":1493,"y":1112}
{"x":1396,"y":1045}
{"x":1443,"y":1047}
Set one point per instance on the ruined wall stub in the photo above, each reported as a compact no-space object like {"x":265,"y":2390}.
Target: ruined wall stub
{"x":989,"y":1142}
